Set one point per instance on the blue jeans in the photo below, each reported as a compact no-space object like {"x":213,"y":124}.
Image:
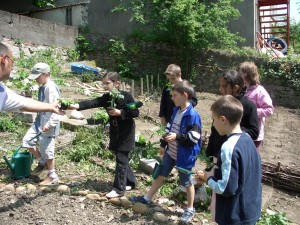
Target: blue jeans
{"x":168,"y":164}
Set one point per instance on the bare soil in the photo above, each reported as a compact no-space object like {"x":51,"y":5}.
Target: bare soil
{"x":281,"y":144}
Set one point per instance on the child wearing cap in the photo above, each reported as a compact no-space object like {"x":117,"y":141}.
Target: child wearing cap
{"x":173,"y":73}
{"x":46,"y":123}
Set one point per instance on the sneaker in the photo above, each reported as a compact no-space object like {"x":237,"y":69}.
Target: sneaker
{"x":187,"y":216}
{"x":39,"y":169}
{"x":140,"y":199}
{"x":128,"y":188}
{"x":49,"y":181}
{"x":113,"y":194}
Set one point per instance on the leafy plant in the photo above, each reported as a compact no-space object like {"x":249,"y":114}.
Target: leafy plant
{"x":73,"y":54}
{"x":115,"y":94}
{"x":65,"y":103}
{"x":21,"y":82}
{"x":6,"y":124}
{"x":87,"y":77}
{"x":43,"y":3}
{"x":276,"y":219}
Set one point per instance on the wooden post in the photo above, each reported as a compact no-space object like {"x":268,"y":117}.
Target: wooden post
{"x":142,"y":87}
{"x":151,"y":82}
{"x":132,"y":88}
{"x":157,"y":81}
{"x":123,"y":86}
{"x":147,"y":82}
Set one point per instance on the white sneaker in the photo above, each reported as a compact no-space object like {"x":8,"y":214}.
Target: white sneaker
{"x":113,"y":194}
{"x":128,"y":188}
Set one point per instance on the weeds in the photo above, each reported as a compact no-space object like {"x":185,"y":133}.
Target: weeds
{"x":276,"y":219}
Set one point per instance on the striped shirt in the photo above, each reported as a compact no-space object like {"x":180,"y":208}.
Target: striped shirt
{"x":175,"y":129}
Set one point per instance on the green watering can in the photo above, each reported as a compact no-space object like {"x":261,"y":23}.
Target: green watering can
{"x":20,"y":164}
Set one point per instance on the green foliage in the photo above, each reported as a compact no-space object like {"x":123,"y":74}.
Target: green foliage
{"x":88,"y":142}
{"x":50,"y":56}
{"x":43,"y":3}
{"x":283,"y":70}
{"x":101,"y":115}
{"x":115,"y":94}
{"x":277,"y":219}
{"x":84,"y":46}
{"x":21,"y":82}
{"x":120,"y":54}
{"x":73,"y":55}
{"x":6,"y":124}
{"x":168,"y":188}
{"x":188,"y":24}
{"x":87,"y":77}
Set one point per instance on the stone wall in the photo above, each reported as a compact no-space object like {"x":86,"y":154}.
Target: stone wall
{"x":37,"y":31}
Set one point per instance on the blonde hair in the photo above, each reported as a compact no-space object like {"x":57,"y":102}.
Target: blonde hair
{"x":250,"y":71}
{"x":174,"y":69}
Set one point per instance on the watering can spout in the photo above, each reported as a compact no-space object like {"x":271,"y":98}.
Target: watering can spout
{"x":8,"y":163}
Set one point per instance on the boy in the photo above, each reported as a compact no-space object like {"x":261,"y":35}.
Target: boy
{"x":173,"y":74}
{"x":47,"y":123}
{"x":237,"y":176}
{"x":182,"y":144}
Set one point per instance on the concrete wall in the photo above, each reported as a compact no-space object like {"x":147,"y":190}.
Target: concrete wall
{"x":102,"y":21}
{"x":13,"y":26}
{"x":246,"y":25}
{"x":78,"y":15}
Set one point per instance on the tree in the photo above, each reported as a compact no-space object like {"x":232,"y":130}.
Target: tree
{"x":187,"y":24}
{"x":295,"y":35}
{"x":43,"y":3}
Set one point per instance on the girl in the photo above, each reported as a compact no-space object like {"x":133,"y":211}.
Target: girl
{"x":122,"y":131}
{"x":258,"y":95}
{"x":232,"y":83}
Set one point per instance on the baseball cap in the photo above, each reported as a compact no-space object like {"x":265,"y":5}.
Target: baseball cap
{"x":38,"y":70}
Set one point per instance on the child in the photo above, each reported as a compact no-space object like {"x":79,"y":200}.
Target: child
{"x":232,"y":83}
{"x":173,"y":73}
{"x":122,"y":131}
{"x":47,"y":123}
{"x":258,"y":95}
{"x":183,"y":144}
{"x":237,"y":176}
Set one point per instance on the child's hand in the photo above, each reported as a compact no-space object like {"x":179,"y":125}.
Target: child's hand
{"x":114,"y":112}
{"x":161,"y":151}
{"x":170,"y":137}
{"x":45,"y":128}
{"x":200,"y":177}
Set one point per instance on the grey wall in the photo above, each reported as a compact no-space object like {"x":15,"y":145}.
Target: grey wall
{"x":79,"y":15}
{"x":13,"y":26}
{"x":246,"y":24}
{"x":101,"y":20}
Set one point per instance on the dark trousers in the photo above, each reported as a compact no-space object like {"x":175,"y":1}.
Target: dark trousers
{"x":124,"y":175}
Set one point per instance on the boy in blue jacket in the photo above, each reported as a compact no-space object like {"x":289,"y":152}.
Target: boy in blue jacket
{"x":237,"y":176}
{"x":180,"y":147}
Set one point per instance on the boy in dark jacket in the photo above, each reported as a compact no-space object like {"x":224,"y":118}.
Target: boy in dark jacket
{"x":173,"y":74}
{"x":236,"y":178}
{"x":182,"y":144}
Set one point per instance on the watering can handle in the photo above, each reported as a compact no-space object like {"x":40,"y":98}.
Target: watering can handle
{"x":18,"y":148}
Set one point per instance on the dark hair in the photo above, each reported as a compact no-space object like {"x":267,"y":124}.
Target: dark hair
{"x":232,"y":77}
{"x":113,"y":76}
{"x":184,"y":86}
{"x":250,"y":71}
{"x":3,"y":49}
{"x":229,"y":107}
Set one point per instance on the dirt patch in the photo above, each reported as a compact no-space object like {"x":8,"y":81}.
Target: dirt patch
{"x":281,"y":144}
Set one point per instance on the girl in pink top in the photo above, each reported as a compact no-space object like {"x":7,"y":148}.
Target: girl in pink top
{"x":258,"y":95}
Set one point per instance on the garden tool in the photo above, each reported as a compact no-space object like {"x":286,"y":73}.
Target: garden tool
{"x":20,"y":164}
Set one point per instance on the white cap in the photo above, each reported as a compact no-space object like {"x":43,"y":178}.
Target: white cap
{"x":38,"y":70}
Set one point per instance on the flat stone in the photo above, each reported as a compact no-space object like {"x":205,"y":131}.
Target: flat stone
{"x":93,"y":196}
{"x":63,"y":189}
{"x":31,"y":188}
{"x":126,"y":203}
{"x":115,"y":201}
{"x":10,"y":187}
{"x":45,"y":189}
{"x":140,"y":208}
{"x":102,"y":199}
{"x":159,"y":217}
{"x":25,"y":117}
{"x":147,"y":165}
{"x":20,"y":189}
{"x":72,"y":124}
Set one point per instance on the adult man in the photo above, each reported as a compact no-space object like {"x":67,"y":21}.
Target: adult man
{"x":10,"y":101}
